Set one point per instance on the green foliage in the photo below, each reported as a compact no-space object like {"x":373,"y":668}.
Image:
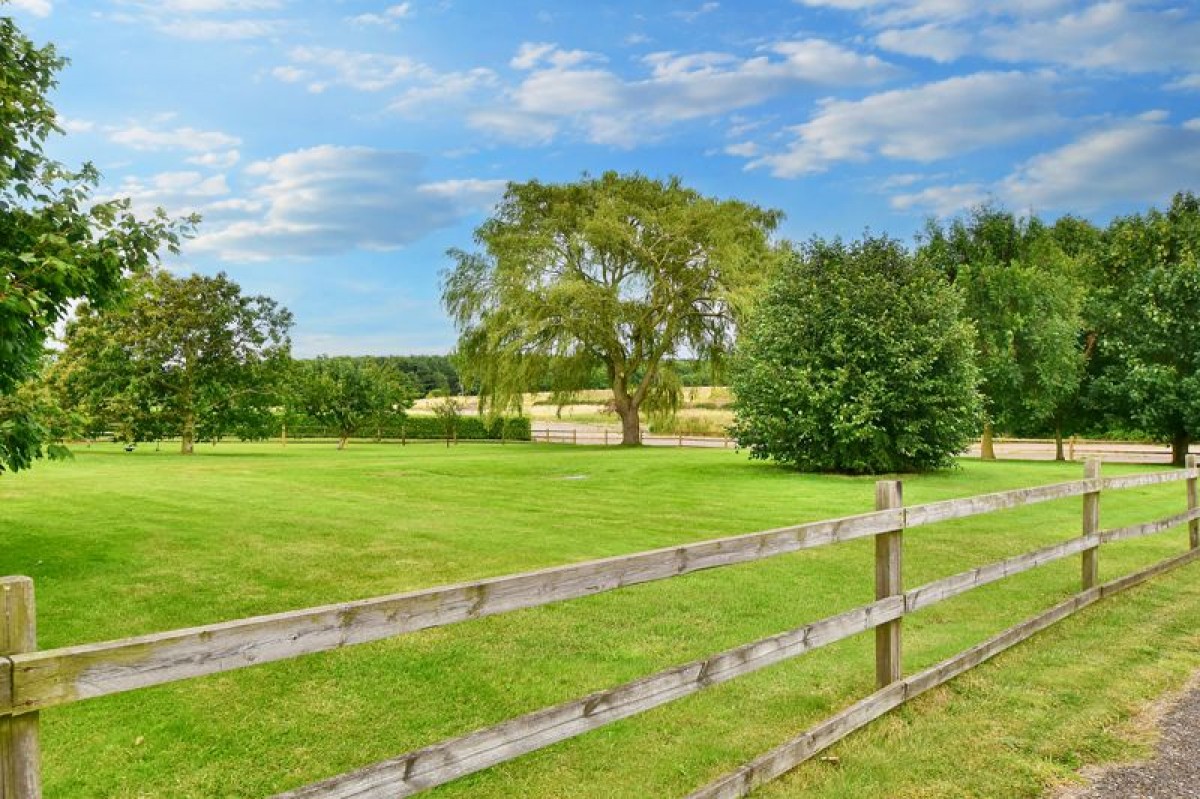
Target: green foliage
{"x":351,"y":395}
{"x":1148,"y":342}
{"x":1024,"y":295}
{"x":619,"y":273}
{"x":57,"y":246}
{"x":190,"y":356}
{"x":856,"y":361}
{"x":424,"y":428}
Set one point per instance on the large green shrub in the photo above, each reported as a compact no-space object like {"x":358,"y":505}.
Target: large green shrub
{"x":857,"y":360}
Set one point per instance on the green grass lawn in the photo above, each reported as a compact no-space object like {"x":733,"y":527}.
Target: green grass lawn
{"x":121,"y":544}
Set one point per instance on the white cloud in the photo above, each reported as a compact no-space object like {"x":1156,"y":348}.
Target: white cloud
{"x":1186,"y":83}
{"x":695,"y":13}
{"x":38,"y":8}
{"x":1141,"y":159}
{"x":535,"y":54}
{"x":1111,"y":35}
{"x":468,"y":193}
{"x":387,"y":19}
{"x":73,"y":125}
{"x":1144,"y":159}
{"x":925,"y":123}
{"x":931,"y":41}
{"x":216,"y":160}
{"x":443,"y":88}
{"x":606,"y":108}
{"x":366,"y":72}
{"x":206,"y":20}
{"x":179,"y":193}
{"x":943,"y":200}
{"x":1114,"y":35}
{"x":327,"y":200}
{"x":184,"y":138}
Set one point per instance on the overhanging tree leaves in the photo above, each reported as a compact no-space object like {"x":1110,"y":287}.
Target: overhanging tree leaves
{"x":56,"y":246}
{"x":187,"y":356}
{"x":620,"y":272}
{"x":857,"y":360}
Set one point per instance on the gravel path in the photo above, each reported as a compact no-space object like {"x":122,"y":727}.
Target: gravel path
{"x":1173,"y":773}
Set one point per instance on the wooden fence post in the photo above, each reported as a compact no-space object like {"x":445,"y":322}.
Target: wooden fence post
{"x":888,"y":582}
{"x":20,"y":758}
{"x":1193,"y":502}
{"x":1091,"y":524}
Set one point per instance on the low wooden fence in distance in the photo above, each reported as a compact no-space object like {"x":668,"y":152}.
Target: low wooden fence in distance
{"x":605,"y":437}
{"x":31,"y":680}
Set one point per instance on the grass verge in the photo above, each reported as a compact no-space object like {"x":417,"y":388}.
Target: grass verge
{"x":121,"y":544}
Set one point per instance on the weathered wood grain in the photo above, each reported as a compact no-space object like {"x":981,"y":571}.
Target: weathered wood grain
{"x":947,"y":587}
{"x":20,"y":751}
{"x":1148,"y":528}
{"x":1150,"y":478}
{"x":889,"y":581}
{"x":58,"y":676}
{"x":917,"y":515}
{"x":1090,"y":558}
{"x":792,"y":753}
{"x":1193,"y":502}
{"x":435,"y":765}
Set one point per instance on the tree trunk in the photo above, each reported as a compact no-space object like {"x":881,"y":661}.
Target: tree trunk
{"x":1179,"y":449}
{"x":283,"y":434}
{"x":631,"y":427}
{"x":342,"y":441}
{"x":987,"y":451}
{"x":187,"y":440}
{"x":1058,"y":443}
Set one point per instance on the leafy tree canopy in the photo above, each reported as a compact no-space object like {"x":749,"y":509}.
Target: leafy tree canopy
{"x":1149,"y":340}
{"x":190,"y":356}
{"x":857,"y":360}
{"x":351,"y":394}
{"x":1025,"y":295}
{"x":57,"y":246}
{"x":620,"y":272}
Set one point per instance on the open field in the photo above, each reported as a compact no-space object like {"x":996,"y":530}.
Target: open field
{"x":706,"y":411}
{"x":121,"y":544}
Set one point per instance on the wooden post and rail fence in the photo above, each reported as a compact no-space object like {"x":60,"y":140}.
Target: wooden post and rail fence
{"x":32,"y":680}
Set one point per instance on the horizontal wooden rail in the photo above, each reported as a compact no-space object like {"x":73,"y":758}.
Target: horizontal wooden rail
{"x":57,"y":676}
{"x":955,"y":584}
{"x":1149,"y":528}
{"x":438,"y":764}
{"x":811,"y":742}
{"x":1147,"y":478}
{"x":987,"y":503}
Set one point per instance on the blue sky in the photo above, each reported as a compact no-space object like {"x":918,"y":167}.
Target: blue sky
{"x":336,"y":149}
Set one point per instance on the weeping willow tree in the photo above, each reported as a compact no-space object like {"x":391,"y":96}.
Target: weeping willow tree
{"x":621,"y":272}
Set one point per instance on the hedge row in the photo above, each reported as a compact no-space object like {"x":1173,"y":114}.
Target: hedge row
{"x":431,"y":427}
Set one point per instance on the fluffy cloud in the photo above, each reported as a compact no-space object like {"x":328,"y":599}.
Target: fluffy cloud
{"x":328,"y":200}
{"x":561,"y":91}
{"x":1143,"y":159}
{"x":38,"y":8}
{"x":1114,"y":35}
{"x":925,"y":123}
{"x":367,"y":72}
{"x":206,"y":20}
{"x":211,"y":148}
{"x":388,"y":18}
